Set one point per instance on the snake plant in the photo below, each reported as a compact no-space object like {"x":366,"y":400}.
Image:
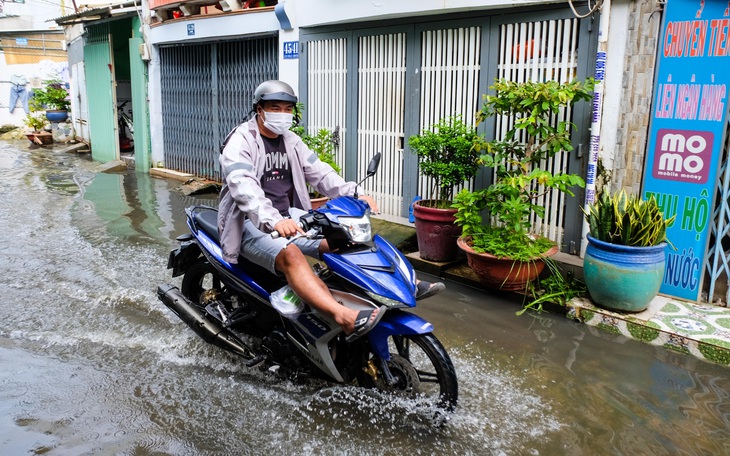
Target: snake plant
{"x":627,"y":220}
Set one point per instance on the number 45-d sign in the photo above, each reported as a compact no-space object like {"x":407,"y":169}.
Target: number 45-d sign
{"x":291,"y":49}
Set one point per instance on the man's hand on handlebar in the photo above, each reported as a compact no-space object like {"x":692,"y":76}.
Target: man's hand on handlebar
{"x":371,"y":202}
{"x":287,"y":228}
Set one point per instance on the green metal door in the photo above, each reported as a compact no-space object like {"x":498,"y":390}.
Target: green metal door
{"x":138,"y":74}
{"x":100,"y":90}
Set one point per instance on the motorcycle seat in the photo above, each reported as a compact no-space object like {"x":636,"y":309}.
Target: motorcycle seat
{"x":208,"y":222}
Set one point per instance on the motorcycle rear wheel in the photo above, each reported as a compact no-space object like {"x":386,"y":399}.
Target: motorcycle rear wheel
{"x":422,"y":368}
{"x":200,"y":278}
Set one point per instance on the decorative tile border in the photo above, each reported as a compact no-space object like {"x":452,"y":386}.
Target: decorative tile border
{"x":700,"y":331}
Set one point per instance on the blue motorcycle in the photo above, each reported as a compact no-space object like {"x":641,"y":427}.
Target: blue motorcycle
{"x":252,"y":313}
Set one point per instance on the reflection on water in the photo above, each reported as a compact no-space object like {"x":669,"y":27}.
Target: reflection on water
{"x":126,"y":206}
{"x":92,"y":363}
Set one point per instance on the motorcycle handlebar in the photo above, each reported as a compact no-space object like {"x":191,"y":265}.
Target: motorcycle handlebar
{"x":276,"y":235}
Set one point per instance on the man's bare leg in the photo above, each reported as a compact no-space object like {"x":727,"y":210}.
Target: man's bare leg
{"x":295,"y":267}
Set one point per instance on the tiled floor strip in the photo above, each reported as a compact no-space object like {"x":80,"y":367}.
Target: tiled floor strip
{"x":699,"y":330}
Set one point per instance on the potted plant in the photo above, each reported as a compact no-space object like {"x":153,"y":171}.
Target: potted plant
{"x":446,"y":154}
{"x":625,"y":258}
{"x":323,"y":144}
{"x":35,"y":120}
{"x":54,"y":98}
{"x":505,"y":239}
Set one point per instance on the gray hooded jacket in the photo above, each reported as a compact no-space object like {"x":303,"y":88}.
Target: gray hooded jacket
{"x":242,"y":165}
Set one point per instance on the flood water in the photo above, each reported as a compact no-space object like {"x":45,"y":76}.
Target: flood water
{"x":92,"y":363}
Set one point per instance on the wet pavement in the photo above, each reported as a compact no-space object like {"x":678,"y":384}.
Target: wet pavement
{"x":92,"y":363}
{"x":696,"y":329}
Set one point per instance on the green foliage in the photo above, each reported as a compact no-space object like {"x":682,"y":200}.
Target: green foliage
{"x":446,"y":153}
{"x":499,"y":240}
{"x":533,"y":104}
{"x":323,"y":143}
{"x":518,"y":158}
{"x":627,"y":220}
{"x":53,"y":96}
{"x":503,"y":243}
{"x":35,"y":120}
{"x":556,"y":288}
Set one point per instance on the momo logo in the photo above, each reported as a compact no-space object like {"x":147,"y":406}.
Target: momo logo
{"x":682,"y":155}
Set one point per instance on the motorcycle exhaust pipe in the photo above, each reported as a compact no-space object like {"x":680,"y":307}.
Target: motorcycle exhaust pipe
{"x":208,"y":329}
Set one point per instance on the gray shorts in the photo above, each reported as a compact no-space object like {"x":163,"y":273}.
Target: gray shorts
{"x":259,"y":248}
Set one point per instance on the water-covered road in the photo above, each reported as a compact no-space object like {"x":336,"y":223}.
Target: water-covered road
{"x":92,"y":363}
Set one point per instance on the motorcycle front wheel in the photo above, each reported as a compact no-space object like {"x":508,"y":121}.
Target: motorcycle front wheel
{"x":421,"y":368}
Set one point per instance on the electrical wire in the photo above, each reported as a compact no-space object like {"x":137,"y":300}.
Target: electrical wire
{"x":592,"y":9}
{"x":138,"y":10}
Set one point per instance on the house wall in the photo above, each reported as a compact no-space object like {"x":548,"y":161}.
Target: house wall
{"x":202,"y":29}
{"x":643,"y":21}
{"x":311,"y":13}
{"x":631,"y":55}
{"x":34,"y":64}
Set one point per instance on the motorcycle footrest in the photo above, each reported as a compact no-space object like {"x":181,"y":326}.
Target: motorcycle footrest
{"x":256,"y":361}
{"x":236,"y":319}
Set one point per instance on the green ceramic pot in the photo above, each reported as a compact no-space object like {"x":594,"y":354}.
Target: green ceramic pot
{"x":623,"y":278}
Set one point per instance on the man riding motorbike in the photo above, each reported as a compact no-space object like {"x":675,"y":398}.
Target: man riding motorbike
{"x":266,"y":169}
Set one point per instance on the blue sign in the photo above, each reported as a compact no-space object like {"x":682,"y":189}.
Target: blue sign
{"x":191,"y":29}
{"x":21,"y":41}
{"x":686,"y":135}
{"x":291,"y":49}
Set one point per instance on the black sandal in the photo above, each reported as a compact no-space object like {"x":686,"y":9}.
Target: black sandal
{"x":427,"y":289}
{"x":363,"y":325}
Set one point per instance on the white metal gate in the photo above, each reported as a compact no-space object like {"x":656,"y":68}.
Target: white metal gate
{"x":327,"y":82}
{"x":541,"y":51}
{"x":381,"y":105}
{"x":382,"y":85}
{"x":450,"y":68}
{"x":79,"y":105}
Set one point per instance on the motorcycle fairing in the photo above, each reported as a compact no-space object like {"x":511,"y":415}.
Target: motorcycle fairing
{"x":181,"y":257}
{"x":312,"y":331}
{"x":383,"y":271}
{"x":345,"y":206}
{"x":316,"y":330}
{"x":395,"y":323}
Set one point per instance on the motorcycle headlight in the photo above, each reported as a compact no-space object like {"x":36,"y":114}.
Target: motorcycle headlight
{"x":383,"y":300}
{"x":358,"y":228}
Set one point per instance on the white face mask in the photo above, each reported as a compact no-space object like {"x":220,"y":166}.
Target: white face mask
{"x":278,"y":122}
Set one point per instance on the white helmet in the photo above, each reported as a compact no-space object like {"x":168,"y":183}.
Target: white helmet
{"x":274,"y":91}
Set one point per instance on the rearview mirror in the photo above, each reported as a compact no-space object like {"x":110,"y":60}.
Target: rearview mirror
{"x":373,"y":165}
